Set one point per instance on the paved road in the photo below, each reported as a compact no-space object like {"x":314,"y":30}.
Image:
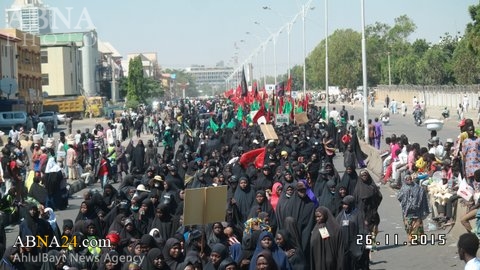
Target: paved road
{"x":387,"y":257}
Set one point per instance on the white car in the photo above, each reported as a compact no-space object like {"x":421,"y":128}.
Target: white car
{"x":358,"y":96}
{"x":61,"y":118}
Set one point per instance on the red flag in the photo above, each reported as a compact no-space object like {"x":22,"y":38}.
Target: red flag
{"x":257,"y":156}
{"x":228,"y":93}
{"x":305,"y":103}
{"x":260,"y":160}
{"x":280,"y":105}
{"x":259,"y":114}
{"x":238,"y":91}
{"x":289,"y":85}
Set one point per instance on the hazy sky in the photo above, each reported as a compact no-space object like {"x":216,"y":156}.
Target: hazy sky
{"x":204,"y":32}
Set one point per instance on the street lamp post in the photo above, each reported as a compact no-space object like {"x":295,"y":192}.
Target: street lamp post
{"x":264,"y":45}
{"x":389,"y":71}
{"x":327,"y":92}
{"x":364,"y":71}
{"x":289,"y":29}
{"x":274,"y":40}
{"x":304,"y":14}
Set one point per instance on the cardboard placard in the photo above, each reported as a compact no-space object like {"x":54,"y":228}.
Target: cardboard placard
{"x":268,"y":132}
{"x":301,"y":118}
{"x":281,"y":119}
{"x":204,"y":205}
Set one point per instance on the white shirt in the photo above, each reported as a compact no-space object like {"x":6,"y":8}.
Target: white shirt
{"x":473,"y":264}
{"x":110,"y":138}
{"x":334,"y":114}
{"x":77,"y":138}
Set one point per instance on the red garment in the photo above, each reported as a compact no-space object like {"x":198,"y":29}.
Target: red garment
{"x":346,"y":139}
{"x":103,"y":168}
{"x":274,"y":197}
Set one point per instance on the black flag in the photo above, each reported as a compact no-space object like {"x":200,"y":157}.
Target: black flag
{"x":244,"y":84}
{"x":280,"y":89}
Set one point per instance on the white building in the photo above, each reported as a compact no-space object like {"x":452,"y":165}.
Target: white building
{"x":30,"y":16}
{"x":209,"y":75}
{"x":61,"y":69}
{"x":79,"y":49}
{"x":151,"y":69}
{"x":111,"y":67}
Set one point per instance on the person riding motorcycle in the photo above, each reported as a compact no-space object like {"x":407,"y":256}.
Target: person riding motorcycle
{"x":385,"y":115}
{"x":417,"y":115}
{"x":445,"y":113}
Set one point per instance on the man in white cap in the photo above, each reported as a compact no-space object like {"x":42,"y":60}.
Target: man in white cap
{"x":437,"y":148}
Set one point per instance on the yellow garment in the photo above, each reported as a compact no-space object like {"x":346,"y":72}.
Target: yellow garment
{"x":463,"y":136}
{"x":420,"y":164}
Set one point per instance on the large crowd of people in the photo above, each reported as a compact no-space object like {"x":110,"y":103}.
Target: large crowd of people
{"x":290,"y":210}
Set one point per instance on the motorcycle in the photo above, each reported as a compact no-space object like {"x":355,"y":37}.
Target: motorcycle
{"x":417,"y":116}
{"x":446,"y":113}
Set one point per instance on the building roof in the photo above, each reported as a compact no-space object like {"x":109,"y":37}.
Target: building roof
{"x":107,"y":48}
{"x":63,"y":38}
{"x":24,"y":3}
{"x":8,"y":37}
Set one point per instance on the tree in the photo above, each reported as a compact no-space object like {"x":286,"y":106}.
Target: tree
{"x":403,"y":28}
{"x":431,"y":69}
{"x":345,"y":61}
{"x":135,"y":82}
{"x":403,"y":70}
{"x":464,"y":64}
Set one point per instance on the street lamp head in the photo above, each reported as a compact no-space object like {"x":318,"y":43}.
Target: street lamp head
{"x":266,"y":7}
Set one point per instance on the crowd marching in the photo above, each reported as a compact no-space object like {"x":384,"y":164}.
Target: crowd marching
{"x":287,"y":206}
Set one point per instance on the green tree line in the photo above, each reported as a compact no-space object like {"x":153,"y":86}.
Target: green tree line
{"x":453,"y":60}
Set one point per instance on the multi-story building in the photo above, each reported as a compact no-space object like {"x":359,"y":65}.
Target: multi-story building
{"x":30,"y":16}
{"x":151,"y":69}
{"x":61,"y":69}
{"x":24,"y":70}
{"x":70,"y":63}
{"x":209,"y":75}
{"x":110,"y":70}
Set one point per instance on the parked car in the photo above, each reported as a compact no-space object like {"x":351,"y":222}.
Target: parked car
{"x":61,"y":118}
{"x":13,"y":118}
{"x":47,"y":116}
{"x":358,"y":96}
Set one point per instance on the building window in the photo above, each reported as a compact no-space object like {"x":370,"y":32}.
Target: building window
{"x":44,"y":57}
{"x":45,"y":79}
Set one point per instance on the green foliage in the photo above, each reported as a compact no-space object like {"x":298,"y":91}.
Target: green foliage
{"x":135,"y":82}
{"x":464,"y":64}
{"x":454,"y":59}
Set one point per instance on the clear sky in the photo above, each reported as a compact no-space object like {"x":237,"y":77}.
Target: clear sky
{"x":204,"y":32}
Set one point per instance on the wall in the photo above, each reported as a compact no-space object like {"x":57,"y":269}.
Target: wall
{"x":433,"y":96}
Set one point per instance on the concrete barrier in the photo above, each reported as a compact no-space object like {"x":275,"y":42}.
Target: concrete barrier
{"x":374,"y":161}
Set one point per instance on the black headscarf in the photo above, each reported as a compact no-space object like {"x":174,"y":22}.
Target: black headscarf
{"x":244,"y":199}
{"x":152,"y":255}
{"x":326,"y":254}
{"x":169,"y":260}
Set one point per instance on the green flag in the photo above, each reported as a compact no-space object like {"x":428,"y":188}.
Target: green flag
{"x":231,"y":124}
{"x":255,"y":106}
{"x":323,"y":114}
{"x":287,"y":107}
{"x":299,"y":109}
{"x":240,"y":113}
{"x":214,"y":125}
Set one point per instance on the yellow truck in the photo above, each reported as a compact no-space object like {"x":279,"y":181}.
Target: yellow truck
{"x":75,"y":106}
